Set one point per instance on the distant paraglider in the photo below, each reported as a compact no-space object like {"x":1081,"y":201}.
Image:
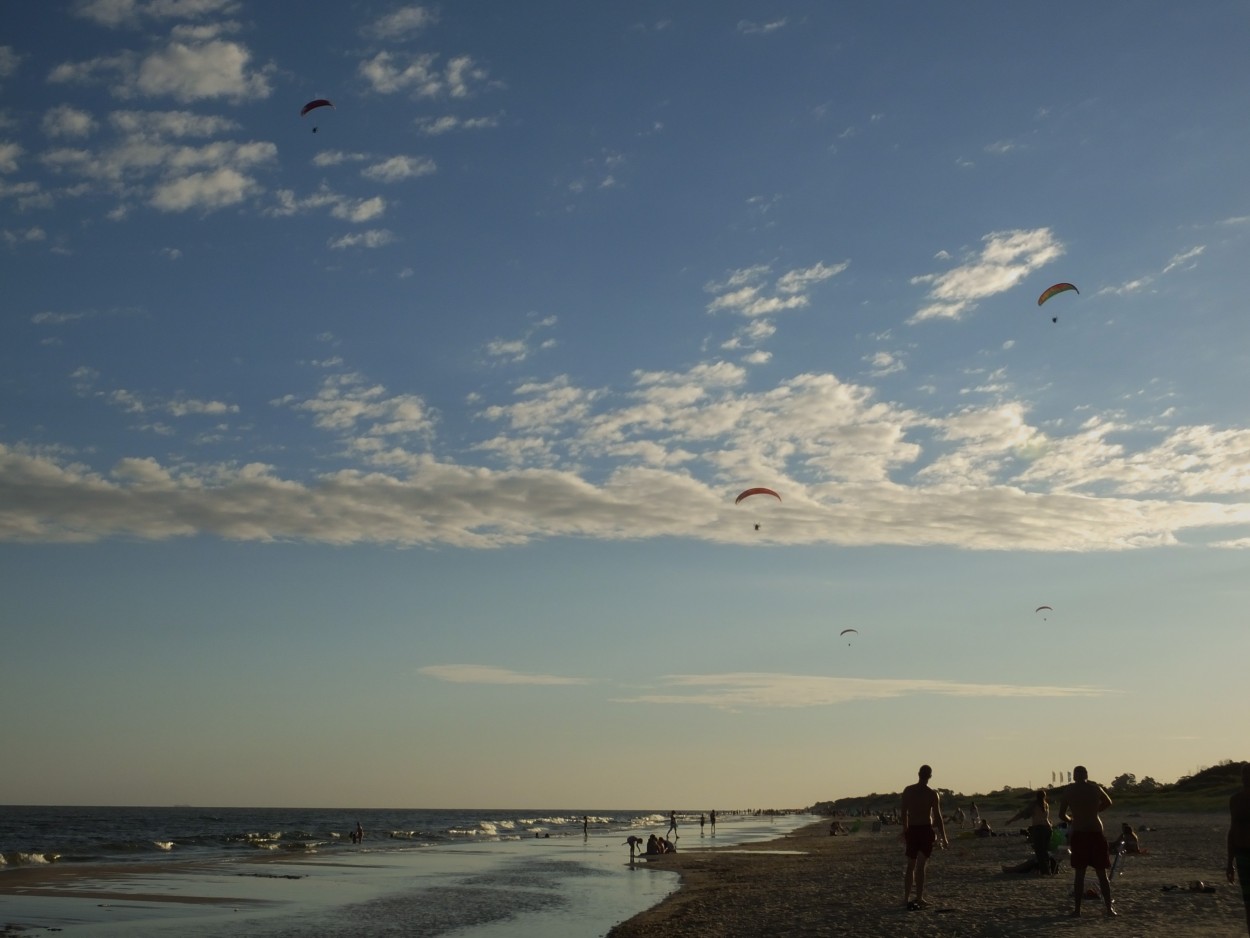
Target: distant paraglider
{"x":1054,"y":290}
{"x":1042,"y":609}
{"x":313,"y":105}
{"x":758,"y":490}
{"x":846,"y":632}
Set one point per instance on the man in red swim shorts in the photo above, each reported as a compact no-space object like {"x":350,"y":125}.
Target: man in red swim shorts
{"x":1082,"y":802}
{"x":921,"y":810}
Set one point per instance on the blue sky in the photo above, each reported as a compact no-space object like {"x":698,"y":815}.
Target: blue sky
{"x":394,"y":463}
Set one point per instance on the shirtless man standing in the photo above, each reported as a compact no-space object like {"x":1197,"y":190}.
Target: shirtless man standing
{"x":1082,"y":801}
{"x":921,"y":809}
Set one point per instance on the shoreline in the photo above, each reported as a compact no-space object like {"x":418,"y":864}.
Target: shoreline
{"x":808,"y":883}
{"x":565,"y":887}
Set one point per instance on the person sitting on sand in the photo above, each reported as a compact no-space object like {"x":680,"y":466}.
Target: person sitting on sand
{"x":666,"y":846}
{"x":984,"y":830}
{"x":1129,"y":841}
{"x":653,"y":845}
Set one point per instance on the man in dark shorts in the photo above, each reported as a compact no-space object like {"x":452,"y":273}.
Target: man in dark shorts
{"x":1082,"y":802}
{"x":921,"y":810}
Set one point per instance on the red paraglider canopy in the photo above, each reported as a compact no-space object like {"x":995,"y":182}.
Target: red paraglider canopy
{"x":315,"y":103}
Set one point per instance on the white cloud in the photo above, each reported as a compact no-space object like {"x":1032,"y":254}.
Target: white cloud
{"x":750,"y":28}
{"x":184,"y":70}
{"x":373,"y":238}
{"x":115,"y":13}
{"x":207,"y":191}
{"x":347,"y":404}
{"x":519,"y":349}
{"x":66,"y":121}
{"x":338,"y":157}
{"x":448,"y":123}
{"x":740,"y":691}
{"x":747,"y":292}
{"x":9,"y":153}
{"x":399,"y":168}
{"x":1005,"y":260}
{"x":420,"y":75}
{"x":9,"y":61}
{"x":12,"y":238}
{"x":488,"y":674}
{"x":402,"y":23}
{"x":1182,"y":261}
{"x":176,"y":124}
{"x":884,"y":363}
{"x":191,"y":72}
{"x":338,"y":205}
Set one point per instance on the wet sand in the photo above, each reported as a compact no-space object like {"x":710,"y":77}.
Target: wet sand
{"x":853,"y":885}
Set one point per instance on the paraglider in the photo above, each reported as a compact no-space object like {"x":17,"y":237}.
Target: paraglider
{"x":756,"y":491}
{"x":1040,"y":608}
{"x":313,"y":105}
{"x":1052,"y":291}
{"x":846,"y":632}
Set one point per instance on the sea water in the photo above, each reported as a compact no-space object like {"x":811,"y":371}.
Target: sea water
{"x":474,"y":874}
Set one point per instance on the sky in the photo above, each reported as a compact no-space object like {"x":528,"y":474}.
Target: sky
{"x":387,"y":455}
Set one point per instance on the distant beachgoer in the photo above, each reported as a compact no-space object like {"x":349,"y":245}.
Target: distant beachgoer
{"x":585,"y":826}
{"x":1038,"y":813}
{"x":653,"y":845}
{"x":921,"y":808}
{"x":358,"y":835}
{"x":672,"y":824}
{"x":976,"y":816}
{"x":984,"y":830}
{"x":711,"y":816}
{"x":1239,"y":839}
{"x":702,"y":820}
{"x":1128,"y":840}
{"x":1082,"y":802}
{"x":635,"y":843}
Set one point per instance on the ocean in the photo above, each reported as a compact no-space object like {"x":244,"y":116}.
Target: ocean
{"x":194,"y":872}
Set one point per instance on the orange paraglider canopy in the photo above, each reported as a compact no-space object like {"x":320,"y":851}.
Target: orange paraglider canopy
{"x":756,"y":491}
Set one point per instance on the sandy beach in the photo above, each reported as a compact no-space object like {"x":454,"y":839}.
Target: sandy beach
{"x":810,"y":883}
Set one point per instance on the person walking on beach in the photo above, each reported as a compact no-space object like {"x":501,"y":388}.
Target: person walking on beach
{"x":1038,"y":813}
{"x":921,"y":810}
{"x":358,"y":835}
{"x":1239,"y":839}
{"x":672,"y":823}
{"x":711,"y":816}
{"x":1082,"y":802}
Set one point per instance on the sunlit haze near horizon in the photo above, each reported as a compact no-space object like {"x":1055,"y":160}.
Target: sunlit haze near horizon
{"x":387,"y":455}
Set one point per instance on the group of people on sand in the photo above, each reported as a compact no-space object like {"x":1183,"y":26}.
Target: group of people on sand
{"x":655,"y":846}
{"x":1080,"y":808}
{"x":1081,"y":804}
